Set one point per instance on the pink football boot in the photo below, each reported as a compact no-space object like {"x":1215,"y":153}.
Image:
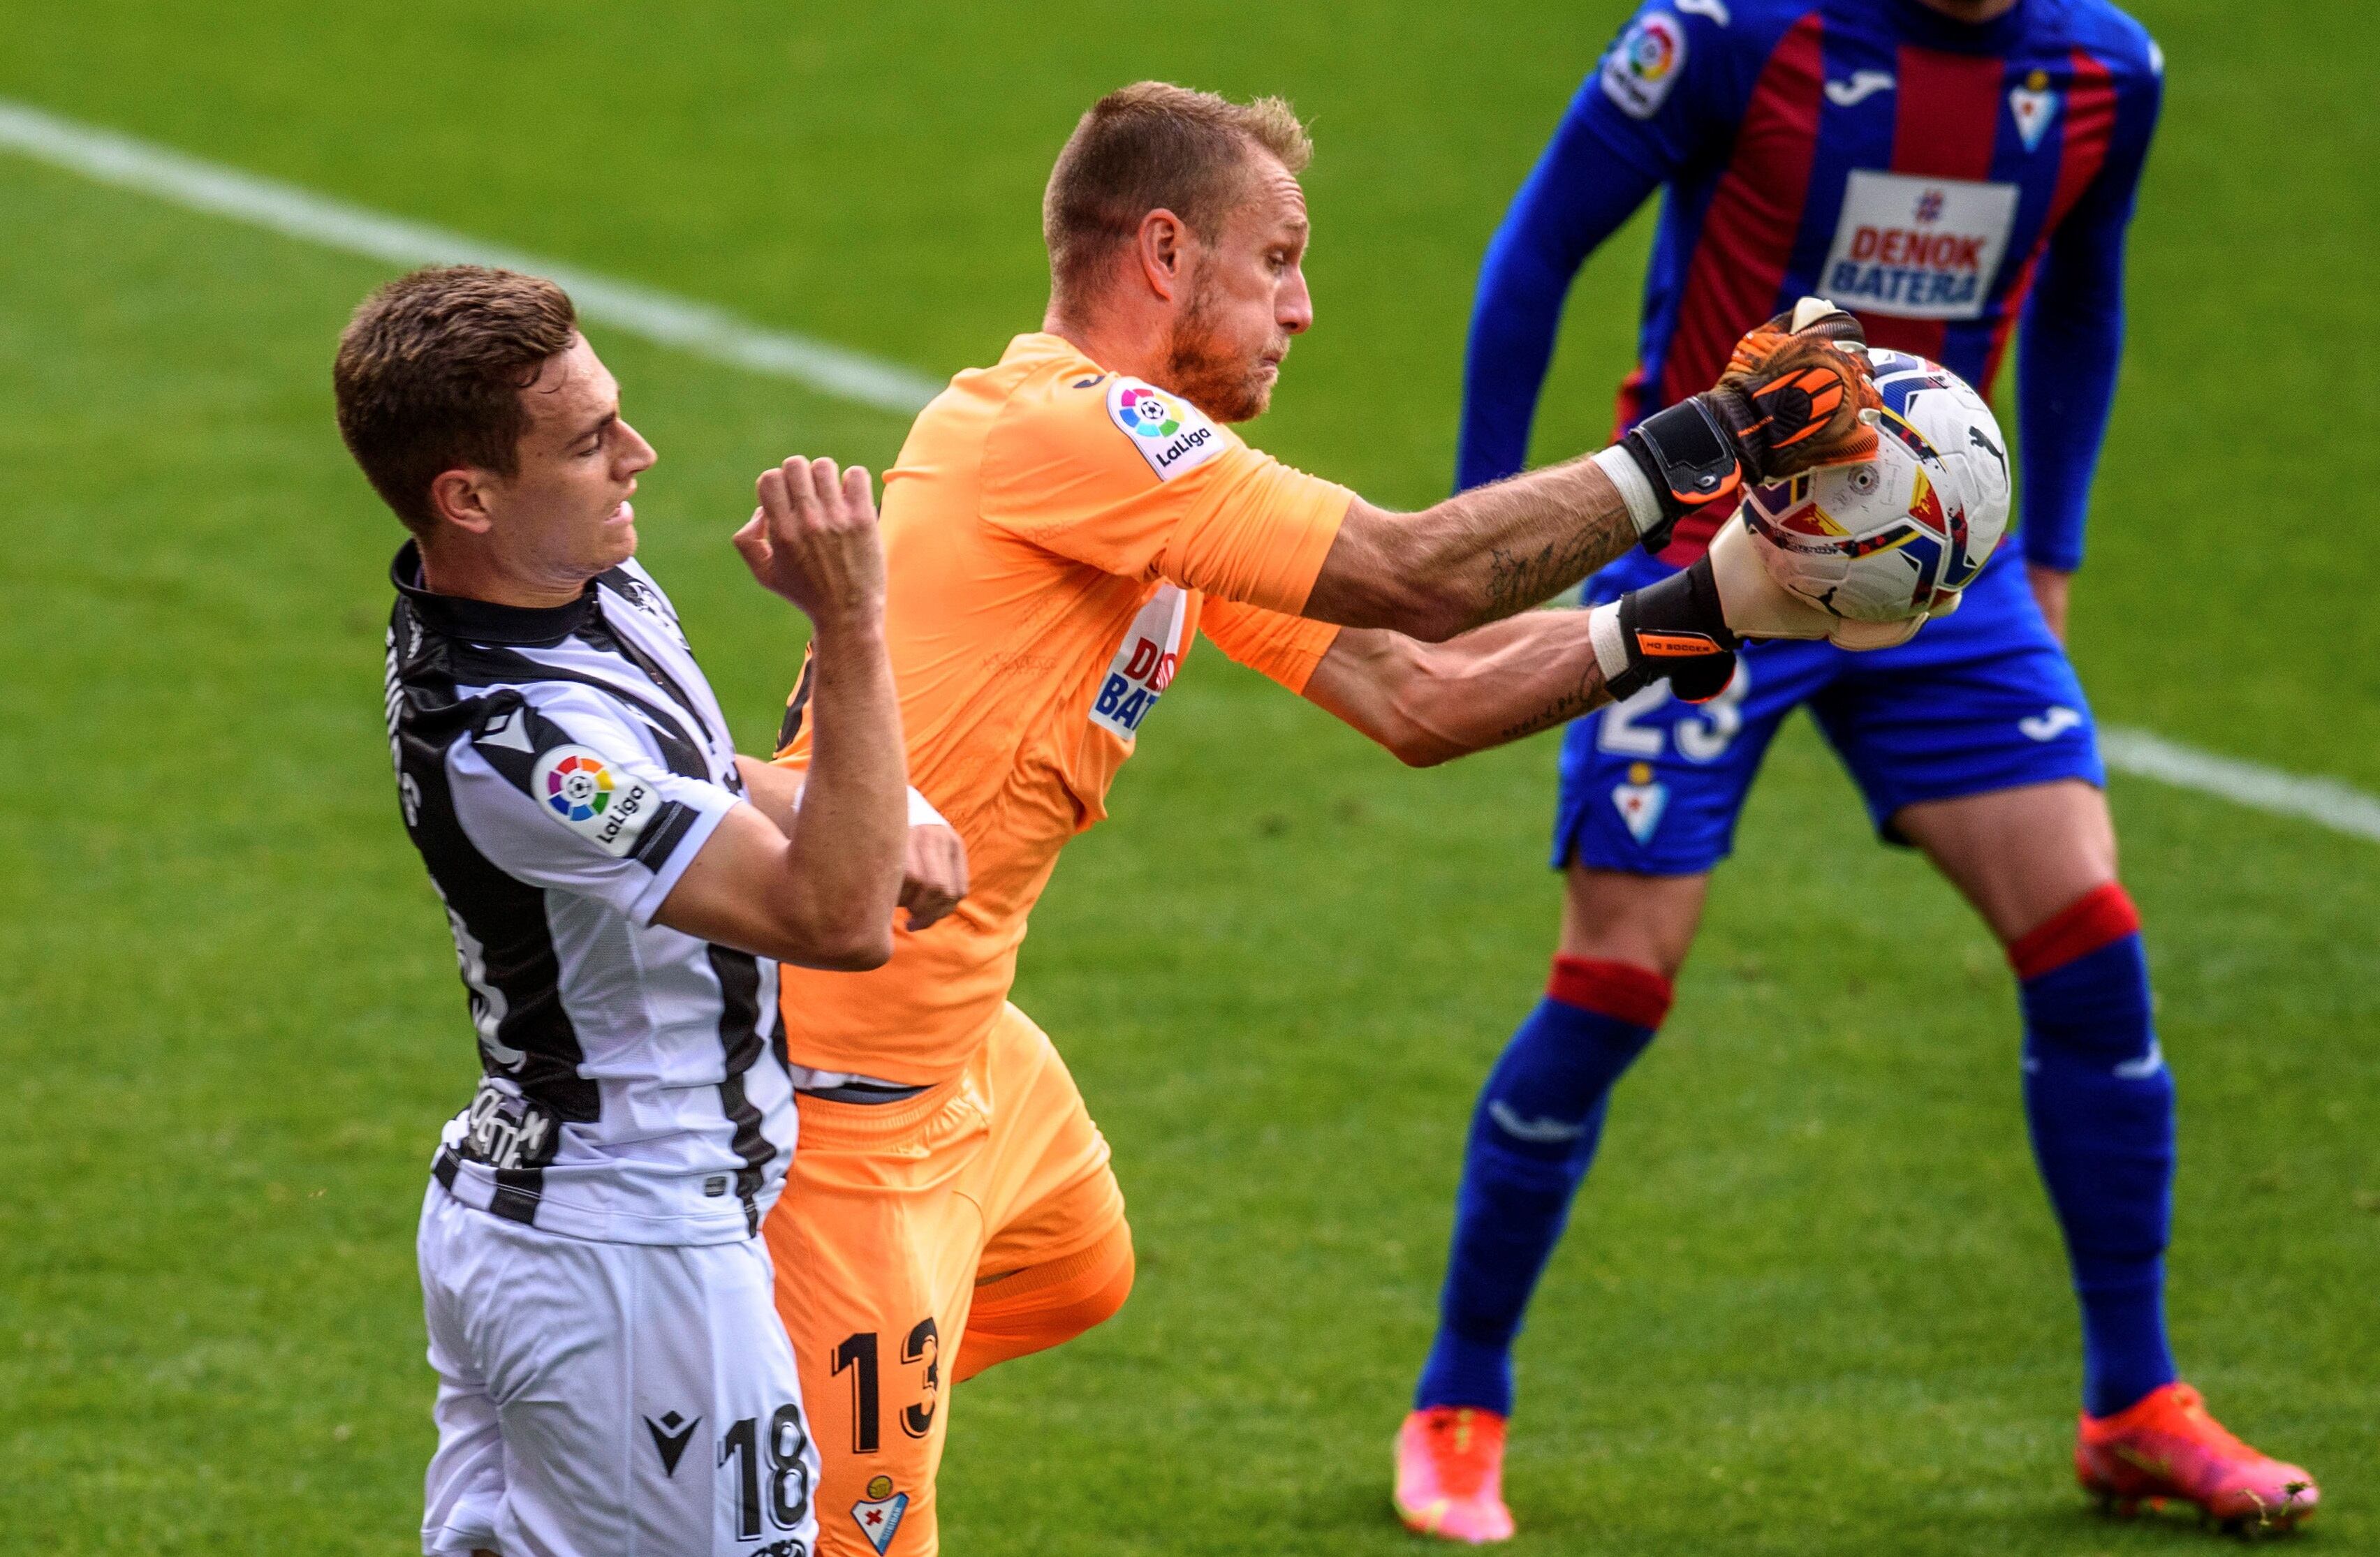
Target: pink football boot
{"x":2164,"y":1448}
{"x":1450,"y":1475}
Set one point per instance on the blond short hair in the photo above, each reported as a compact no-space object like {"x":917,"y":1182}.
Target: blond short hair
{"x":1154,"y":146}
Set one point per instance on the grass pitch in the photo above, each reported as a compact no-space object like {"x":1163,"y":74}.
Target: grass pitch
{"x":1812,"y":1300}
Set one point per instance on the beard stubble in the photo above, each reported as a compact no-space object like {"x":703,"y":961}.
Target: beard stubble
{"x":1229,"y":386}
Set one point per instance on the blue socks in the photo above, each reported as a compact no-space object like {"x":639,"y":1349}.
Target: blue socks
{"x":1533,"y":1135}
{"x":2097,"y":1097}
{"x":2100,"y":1104}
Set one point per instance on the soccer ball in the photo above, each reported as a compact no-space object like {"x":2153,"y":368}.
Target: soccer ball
{"x":1887,"y":540}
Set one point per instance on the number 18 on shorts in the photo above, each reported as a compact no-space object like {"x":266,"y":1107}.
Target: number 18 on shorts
{"x":601,"y":1398}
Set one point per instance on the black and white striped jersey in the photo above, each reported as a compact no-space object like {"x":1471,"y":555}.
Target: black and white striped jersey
{"x":558,"y":769}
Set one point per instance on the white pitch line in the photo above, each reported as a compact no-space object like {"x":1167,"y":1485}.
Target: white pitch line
{"x":698,"y":327}
{"x":2340,"y":807}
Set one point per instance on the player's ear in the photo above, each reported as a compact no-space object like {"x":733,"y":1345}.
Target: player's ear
{"x":1162,"y":248}
{"x":459,"y":497}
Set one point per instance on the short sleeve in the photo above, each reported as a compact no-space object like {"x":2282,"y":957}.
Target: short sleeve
{"x":568,"y":796}
{"x":1136,"y":481}
{"x":1285,"y":649}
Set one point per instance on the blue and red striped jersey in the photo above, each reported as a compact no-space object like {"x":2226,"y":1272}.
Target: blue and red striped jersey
{"x":1950,"y":182}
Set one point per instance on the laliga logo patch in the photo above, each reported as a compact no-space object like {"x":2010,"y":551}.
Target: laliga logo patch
{"x":1147,"y":413}
{"x":584,"y":794}
{"x":1640,"y":71}
{"x":879,"y":1513}
{"x":578,"y":787}
{"x":1168,"y":430}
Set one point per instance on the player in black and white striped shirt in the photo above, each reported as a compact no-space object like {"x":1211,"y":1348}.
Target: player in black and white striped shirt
{"x":621,"y":886}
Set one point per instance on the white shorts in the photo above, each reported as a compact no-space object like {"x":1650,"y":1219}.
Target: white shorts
{"x":608,"y":1399}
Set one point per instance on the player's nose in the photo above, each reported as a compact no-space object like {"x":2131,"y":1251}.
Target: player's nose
{"x":635,"y":455}
{"x":1294,"y":308}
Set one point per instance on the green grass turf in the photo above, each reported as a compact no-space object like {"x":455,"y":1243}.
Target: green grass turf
{"x":1812,"y":1302}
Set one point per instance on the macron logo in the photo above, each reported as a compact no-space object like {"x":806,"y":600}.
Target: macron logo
{"x":671,"y":1435}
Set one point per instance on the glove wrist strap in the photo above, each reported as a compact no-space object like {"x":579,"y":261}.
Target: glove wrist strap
{"x":1688,"y":459}
{"x":1663,"y":630}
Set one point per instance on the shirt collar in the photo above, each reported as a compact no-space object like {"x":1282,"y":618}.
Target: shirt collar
{"x":1041,"y":342}
{"x":1928,"y":28}
{"x":485,"y":622}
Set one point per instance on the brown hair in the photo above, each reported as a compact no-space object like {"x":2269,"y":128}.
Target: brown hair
{"x":1152,"y":145}
{"x":430,"y":372}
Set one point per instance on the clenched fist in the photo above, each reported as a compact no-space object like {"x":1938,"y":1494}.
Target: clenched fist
{"x":813,"y":540}
{"x":934,"y":875}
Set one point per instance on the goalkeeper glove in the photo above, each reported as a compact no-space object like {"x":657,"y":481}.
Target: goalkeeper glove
{"x":1687,"y":627}
{"x":1676,"y":629}
{"x":1797,"y":393}
{"x":1756,"y":605}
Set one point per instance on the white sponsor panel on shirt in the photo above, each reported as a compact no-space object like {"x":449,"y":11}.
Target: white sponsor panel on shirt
{"x":1918,"y":247}
{"x":592,"y":798}
{"x":1171,"y":434}
{"x":1643,"y":69}
{"x":1144,"y":666}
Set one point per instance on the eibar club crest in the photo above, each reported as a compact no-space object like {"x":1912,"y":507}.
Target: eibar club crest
{"x":1641,"y":802}
{"x":2034,"y":106}
{"x":879,"y":1513}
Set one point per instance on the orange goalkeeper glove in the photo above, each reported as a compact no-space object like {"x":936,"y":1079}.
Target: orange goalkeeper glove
{"x":1797,"y":393}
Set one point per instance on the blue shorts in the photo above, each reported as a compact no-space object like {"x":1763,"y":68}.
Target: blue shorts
{"x":1981,"y":701}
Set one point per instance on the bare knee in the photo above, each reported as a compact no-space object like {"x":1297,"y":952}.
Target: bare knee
{"x":1645,"y":921}
{"x":2021,"y":856}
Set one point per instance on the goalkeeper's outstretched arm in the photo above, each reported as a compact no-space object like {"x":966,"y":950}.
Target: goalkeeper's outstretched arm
{"x":1430,"y":703}
{"x":1797,"y":394}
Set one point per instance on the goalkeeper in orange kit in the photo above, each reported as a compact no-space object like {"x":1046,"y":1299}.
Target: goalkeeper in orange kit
{"x":1058,"y":527}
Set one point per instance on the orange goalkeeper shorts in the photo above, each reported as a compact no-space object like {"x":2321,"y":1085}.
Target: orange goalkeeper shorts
{"x":985,"y":1201}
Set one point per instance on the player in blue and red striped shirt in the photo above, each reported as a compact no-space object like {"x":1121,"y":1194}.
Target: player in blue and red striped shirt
{"x":1954,"y":172}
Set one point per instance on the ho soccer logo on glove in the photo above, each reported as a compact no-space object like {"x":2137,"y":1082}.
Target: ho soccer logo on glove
{"x":583,"y":792}
{"x":1169,"y":432}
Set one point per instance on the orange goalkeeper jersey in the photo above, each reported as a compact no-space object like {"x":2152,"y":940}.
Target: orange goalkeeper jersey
{"x":1055,"y":534}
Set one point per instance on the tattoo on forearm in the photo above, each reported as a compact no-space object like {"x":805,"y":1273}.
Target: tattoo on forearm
{"x":1517,"y":580}
{"x":1587,"y":694}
